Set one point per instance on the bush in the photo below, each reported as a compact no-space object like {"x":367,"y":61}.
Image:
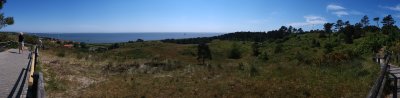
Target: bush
{"x":255,"y":48}
{"x":328,"y":47}
{"x":263,"y":56}
{"x":188,"y":52}
{"x":254,"y":71}
{"x":299,"y":57}
{"x":278,"y":48}
{"x":31,"y":39}
{"x":315,"y":43}
{"x":61,"y":54}
{"x":241,"y":66}
{"x":83,"y":45}
{"x":235,"y":52}
{"x":139,"y":40}
{"x":114,"y":46}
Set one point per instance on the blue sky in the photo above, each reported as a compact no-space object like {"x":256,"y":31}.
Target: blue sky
{"x":187,"y":15}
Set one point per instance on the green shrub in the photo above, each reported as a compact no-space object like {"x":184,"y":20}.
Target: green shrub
{"x":241,"y":66}
{"x":188,"y":52}
{"x":315,"y":43}
{"x":255,"y":47}
{"x":299,"y":57}
{"x":235,"y":52}
{"x":278,"y":48}
{"x":263,"y":56}
{"x":114,"y":46}
{"x":139,"y":40}
{"x":61,"y":54}
{"x":83,"y":45}
{"x":254,"y":71}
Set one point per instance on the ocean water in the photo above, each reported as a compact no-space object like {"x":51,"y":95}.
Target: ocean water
{"x":121,"y":37}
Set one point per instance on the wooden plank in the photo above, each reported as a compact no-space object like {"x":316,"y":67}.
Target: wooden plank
{"x":394,"y":71}
{"x":32,"y":69}
{"x":394,"y":68}
{"x":397,"y":75}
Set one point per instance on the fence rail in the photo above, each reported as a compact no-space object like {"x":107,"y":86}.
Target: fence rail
{"x":35,"y":81}
{"x":380,"y":84}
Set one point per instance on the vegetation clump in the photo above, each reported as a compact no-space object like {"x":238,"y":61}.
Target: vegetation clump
{"x":235,"y":52}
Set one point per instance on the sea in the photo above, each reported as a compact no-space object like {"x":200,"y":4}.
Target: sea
{"x":123,"y":37}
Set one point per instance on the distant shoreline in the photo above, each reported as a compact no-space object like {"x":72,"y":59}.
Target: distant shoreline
{"x":122,"y":37}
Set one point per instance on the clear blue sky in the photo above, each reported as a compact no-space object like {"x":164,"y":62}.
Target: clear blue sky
{"x":187,"y":15}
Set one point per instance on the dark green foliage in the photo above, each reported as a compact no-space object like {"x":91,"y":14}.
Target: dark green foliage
{"x":188,"y":52}
{"x":139,"y":40}
{"x":377,"y":21}
{"x":371,"y":29}
{"x":282,"y":33}
{"x":278,"y":48}
{"x":388,"y":29}
{"x":339,"y":25}
{"x":300,"y":30}
{"x":7,"y":36}
{"x":371,"y":44}
{"x":203,"y":53}
{"x":237,"y":36}
{"x":76,"y":45}
{"x":241,"y":66}
{"x":358,"y":31}
{"x":328,"y":47}
{"x":114,"y":46}
{"x":31,"y":39}
{"x":315,"y":43}
{"x":394,"y":33}
{"x":4,"y":21}
{"x":364,"y":21}
{"x":255,"y":47}
{"x":235,"y":52}
{"x":254,"y":71}
{"x":137,"y":53}
{"x":299,"y":57}
{"x":327,"y":28}
{"x":84,"y":45}
{"x":388,"y":21}
{"x":263,"y":56}
{"x":348,"y":32}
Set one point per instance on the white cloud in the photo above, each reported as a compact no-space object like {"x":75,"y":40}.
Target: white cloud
{"x":340,"y":13}
{"x":334,"y":7}
{"x":310,"y":20}
{"x":395,"y":8}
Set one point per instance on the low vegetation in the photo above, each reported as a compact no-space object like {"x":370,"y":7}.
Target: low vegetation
{"x":288,"y":62}
{"x":155,"y":69}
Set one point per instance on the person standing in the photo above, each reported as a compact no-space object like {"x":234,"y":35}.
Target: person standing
{"x":21,"y":43}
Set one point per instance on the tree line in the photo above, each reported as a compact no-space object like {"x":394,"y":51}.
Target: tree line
{"x":242,"y":36}
{"x":348,"y":31}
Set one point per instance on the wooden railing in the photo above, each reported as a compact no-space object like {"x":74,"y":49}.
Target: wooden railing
{"x":35,"y":81}
{"x":377,"y":90}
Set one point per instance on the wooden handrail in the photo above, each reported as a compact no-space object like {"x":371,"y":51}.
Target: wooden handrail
{"x":377,"y":89}
{"x":35,"y":81}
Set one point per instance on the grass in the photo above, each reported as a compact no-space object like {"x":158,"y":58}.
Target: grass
{"x":155,"y":69}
